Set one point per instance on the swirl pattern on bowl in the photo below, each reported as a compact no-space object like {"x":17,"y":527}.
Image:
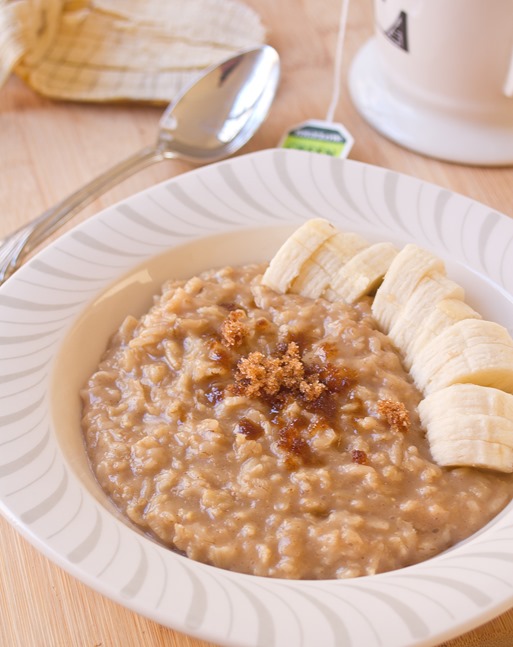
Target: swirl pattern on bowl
{"x":43,"y":496}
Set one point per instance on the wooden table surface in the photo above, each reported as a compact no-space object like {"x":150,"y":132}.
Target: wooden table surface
{"x":48,"y":149}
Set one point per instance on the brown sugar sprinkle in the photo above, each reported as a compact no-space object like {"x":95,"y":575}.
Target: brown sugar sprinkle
{"x":283,"y":377}
{"x":264,"y":375}
{"x":395,"y":414}
{"x":337,"y":379}
{"x":251,"y":430}
{"x":295,"y":447}
{"x":233,"y":329}
{"x":359,"y":457}
{"x":311,"y":390}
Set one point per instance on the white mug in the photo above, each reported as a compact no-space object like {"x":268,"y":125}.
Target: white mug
{"x":456,"y":54}
{"x":437,"y":77}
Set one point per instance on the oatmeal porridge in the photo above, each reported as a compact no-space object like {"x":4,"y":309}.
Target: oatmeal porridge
{"x":273,"y":434}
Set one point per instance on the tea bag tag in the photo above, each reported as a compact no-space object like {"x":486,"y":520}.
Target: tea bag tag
{"x":318,"y":136}
{"x":326,"y":137}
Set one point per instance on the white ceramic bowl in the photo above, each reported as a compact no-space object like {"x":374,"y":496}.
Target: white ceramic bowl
{"x":57,"y":312}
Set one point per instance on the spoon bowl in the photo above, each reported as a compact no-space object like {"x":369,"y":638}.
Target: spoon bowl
{"x":213,"y":118}
{"x":209,"y":120}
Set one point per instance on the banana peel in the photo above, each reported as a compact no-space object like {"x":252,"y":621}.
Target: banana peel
{"x":106,"y":50}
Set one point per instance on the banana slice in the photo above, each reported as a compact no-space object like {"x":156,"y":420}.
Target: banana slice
{"x":318,"y":270}
{"x":409,"y":267}
{"x":288,"y":261}
{"x":475,"y":426}
{"x":445,"y":313}
{"x":472,"y":350}
{"x":362,"y":273}
{"x":465,"y":399}
{"x":473,"y":453}
{"x":468,"y":412}
{"x":431,"y":289}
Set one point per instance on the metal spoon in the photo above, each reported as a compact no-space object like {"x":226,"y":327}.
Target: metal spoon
{"x":210,"y":119}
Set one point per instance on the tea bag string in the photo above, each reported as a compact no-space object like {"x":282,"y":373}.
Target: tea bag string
{"x":326,"y":137}
{"x":337,"y":68}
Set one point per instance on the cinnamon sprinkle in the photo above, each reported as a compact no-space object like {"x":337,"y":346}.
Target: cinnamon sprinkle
{"x":395,"y":414}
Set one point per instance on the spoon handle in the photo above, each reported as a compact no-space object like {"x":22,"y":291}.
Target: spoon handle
{"x":15,"y":247}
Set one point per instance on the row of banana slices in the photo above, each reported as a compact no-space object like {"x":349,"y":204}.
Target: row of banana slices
{"x":461,"y":363}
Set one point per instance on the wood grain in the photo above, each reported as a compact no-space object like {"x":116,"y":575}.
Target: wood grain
{"x":48,"y":149}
